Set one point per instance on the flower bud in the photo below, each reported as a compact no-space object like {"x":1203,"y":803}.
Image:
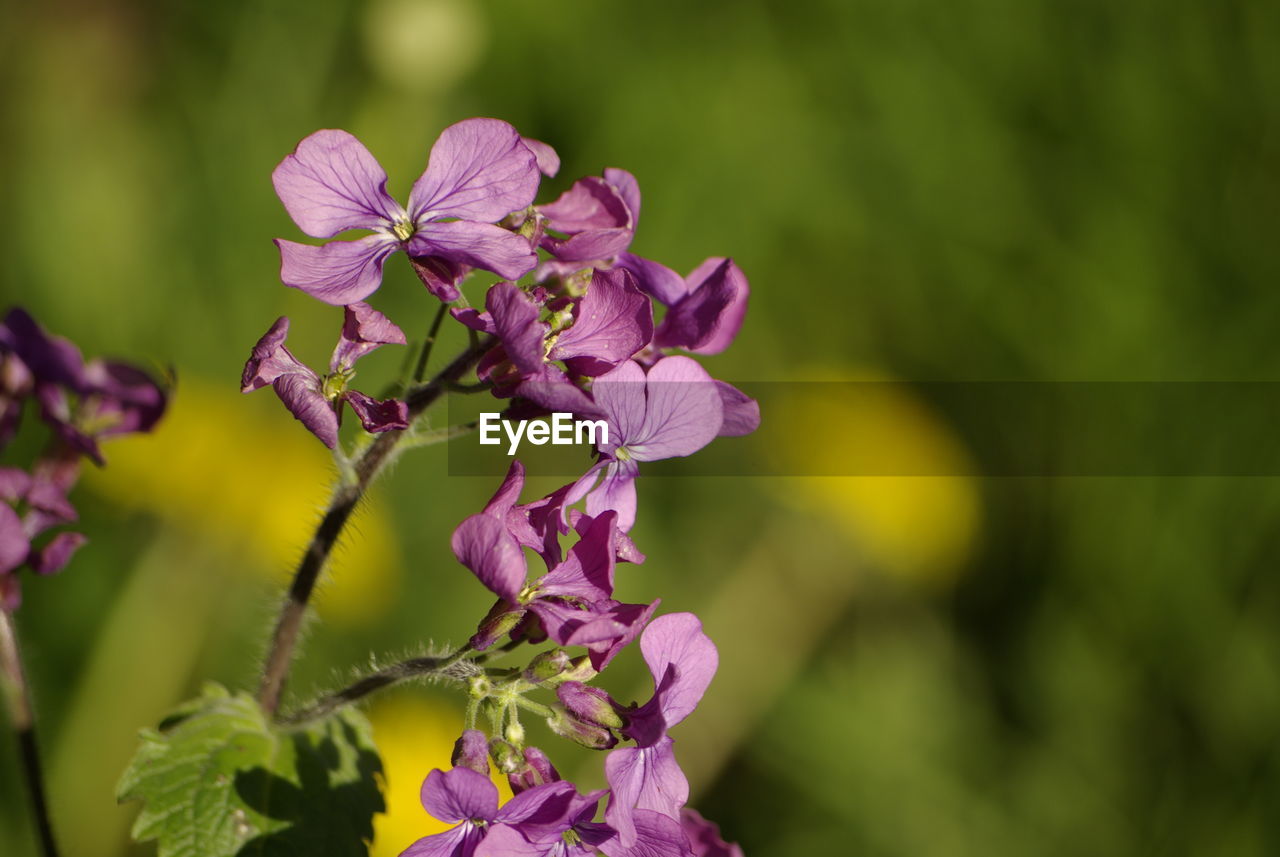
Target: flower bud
{"x":499,"y":620}
{"x":589,"y":704}
{"x":536,"y":771}
{"x":504,"y":756}
{"x":472,"y":751}
{"x":589,"y":735}
{"x":580,"y":669}
{"x":547,"y":665}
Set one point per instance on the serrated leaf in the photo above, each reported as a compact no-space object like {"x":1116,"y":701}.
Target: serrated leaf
{"x":217,"y":780}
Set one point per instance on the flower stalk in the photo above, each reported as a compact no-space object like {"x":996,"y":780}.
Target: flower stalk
{"x":21,"y":715}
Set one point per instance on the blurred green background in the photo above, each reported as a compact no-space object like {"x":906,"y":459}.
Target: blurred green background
{"x":990,"y":189}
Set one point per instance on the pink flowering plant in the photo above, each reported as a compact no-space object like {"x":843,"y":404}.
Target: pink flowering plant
{"x":559,"y":318}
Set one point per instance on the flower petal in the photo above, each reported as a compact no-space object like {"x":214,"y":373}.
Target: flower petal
{"x":378,"y":416}
{"x":612,"y":322}
{"x":331,"y":183}
{"x":682,"y":659}
{"x":741,"y":412}
{"x":338,"y":273}
{"x":270,"y":359}
{"x":14,"y":545}
{"x":616,"y":493}
{"x":628,"y":188}
{"x":482,"y":544}
{"x":301,"y":395}
{"x":459,"y":794}
{"x":643,"y":778}
{"x":592,"y":204}
{"x":658,"y":281}
{"x":547,"y":158}
{"x":54,"y":556}
{"x":364,"y":329}
{"x":620,"y":394}
{"x":683,"y":414}
{"x":480,"y":245}
{"x":707,"y":319}
{"x":515,"y":321}
{"x":479,"y":170}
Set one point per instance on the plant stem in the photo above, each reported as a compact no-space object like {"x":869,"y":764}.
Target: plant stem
{"x":24,"y":727}
{"x":429,"y":344}
{"x":345,"y":498}
{"x":385,"y":677}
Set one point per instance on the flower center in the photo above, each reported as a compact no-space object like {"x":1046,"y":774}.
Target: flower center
{"x":403,"y":229}
{"x":622,"y":454}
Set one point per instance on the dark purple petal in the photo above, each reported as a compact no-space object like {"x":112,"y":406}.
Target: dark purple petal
{"x":461,"y":841}
{"x":364,"y":329}
{"x":586,"y":247}
{"x":459,"y":794}
{"x":571,"y":626}
{"x":515,"y":321}
{"x":479,"y":170}
{"x":480,"y":322}
{"x":302,"y":396}
{"x":14,"y":544}
{"x":657,"y":281}
{"x":548,"y":160}
{"x":441,"y":276}
{"x":480,"y":245}
{"x":612,"y":322}
{"x":704,"y":836}
{"x":632,"y":618}
{"x":122,"y":399}
{"x":538,"y":806}
{"x":47,"y":358}
{"x":591,"y":205}
{"x":683,"y":413}
{"x":54,"y":556}
{"x":482,"y":544}
{"x":270,"y":359}
{"x":587,"y":573}
{"x":331,"y":183}
{"x":338,"y":273}
{"x":741,"y":412}
{"x":378,"y":416}
{"x":508,"y":492}
{"x":643,"y":778}
{"x":552,"y":390}
{"x":707,"y":319}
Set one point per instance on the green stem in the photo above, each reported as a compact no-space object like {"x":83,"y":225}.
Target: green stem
{"x":430,"y":344}
{"x":346,"y":496}
{"x":445,"y":667}
{"x":18,"y":696}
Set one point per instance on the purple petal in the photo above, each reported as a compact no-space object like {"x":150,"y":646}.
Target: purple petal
{"x":123,"y":399}
{"x":704,"y":836}
{"x":632,"y":617}
{"x":508,"y":492}
{"x":459,"y":794}
{"x":479,"y":170}
{"x":338,"y":273}
{"x":552,"y":390}
{"x":270,"y":359}
{"x":616,"y":493}
{"x":620,"y":394}
{"x":587,"y":573}
{"x":14,"y":544}
{"x":364,"y":329}
{"x":376,"y":416}
{"x":538,"y":770}
{"x":480,"y":245}
{"x":515,"y":320}
{"x":539,"y":806}
{"x":682,"y":659}
{"x":741,"y":412}
{"x":54,"y":556}
{"x":612,"y":322}
{"x":441,"y":276}
{"x":14,"y":484}
{"x":482,"y":544}
{"x":707,"y":319}
{"x":571,"y":626}
{"x":331,"y":183}
{"x":592,"y":204}
{"x":657,"y":281}
{"x":471,"y":750}
{"x":301,"y":395}
{"x":643,"y":778}
{"x":461,"y":841}
{"x":628,"y":188}
{"x":586,"y":247}
{"x":548,"y":160}
{"x":683,"y":413}
{"x":48,"y":358}
{"x":657,"y":835}
{"x":505,"y":841}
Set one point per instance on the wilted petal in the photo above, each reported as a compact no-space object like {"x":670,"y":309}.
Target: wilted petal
{"x":707,"y":319}
{"x":364,"y":329}
{"x":657,"y":281}
{"x":480,"y":245}
{"x":482,"y":544}
{"x":479,"y":170}
{"x":338,"y":273}
{"x":459,"y":794}
{"x":331,"y":183}
{"x":301,"y":395}
{"x":378,"y":416}
{"x":270,"y":359}
{"x":683,"y":414}
{"x":611,"y":322}
{"x":54,"y":556}
{"x":547,"y":158}
{"x":441,"y":276}
{"x":515,"y":321}
{"x":741,"y":412}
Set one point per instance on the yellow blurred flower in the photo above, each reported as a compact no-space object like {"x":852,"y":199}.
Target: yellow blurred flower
{"x":247,"y":478}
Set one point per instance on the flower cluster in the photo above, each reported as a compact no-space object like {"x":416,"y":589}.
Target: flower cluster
{"x":569,"y":326}
{"x":81,"y":403}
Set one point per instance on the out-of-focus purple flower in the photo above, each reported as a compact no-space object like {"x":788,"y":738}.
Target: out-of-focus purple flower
{"x":479,"y":172}
{"x":704,"y":836}
{"x":317,"y":402}
{"x":597,"y":216}
{"x":31,"y":503}
{"x":704,"y":310}
{"x":682,"y":660}
{"x":470,"y":800}
{"x":673,"y":411}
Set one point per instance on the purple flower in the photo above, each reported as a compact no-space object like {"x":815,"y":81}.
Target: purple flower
{"x":598,"y":218}
{"x":682,"y":660}
{"x":470,"y":800}
{"x":317,"y":402}
{"x":704,"y":836}
{"x":479,"y":172}
{"x":673,"y":411}
{"x":572,"y":833}
{"x":705,"y":309}
{"x":31,"y":503}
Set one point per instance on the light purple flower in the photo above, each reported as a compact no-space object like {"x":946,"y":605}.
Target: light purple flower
{"x":672,"y":411}
{"x":682,"y":660}
{"x":470,"y":800}
{"x":705,"y":309}
{"x":317,"y":402}
{"x":31,"y":503}
{"x":573,"y":833}
{"x":479,"y":172}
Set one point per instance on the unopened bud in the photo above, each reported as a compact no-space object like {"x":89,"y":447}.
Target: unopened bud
{"x":500,"y":620}
{"x":515,"y":733}
{"x":580,"y":669}
{"x":479,"y":686}
{"x":536,"y":771}
{"x":590,"y":735}
{"x":547,"y":665}
{"x":504,"y":756}
{"x":589,"y":704}
{"x":472,"y":751}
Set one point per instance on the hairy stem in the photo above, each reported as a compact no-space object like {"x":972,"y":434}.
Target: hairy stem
{"x":24,"y":726}
{"x":445,"y":667}
{"x":345,"y":498}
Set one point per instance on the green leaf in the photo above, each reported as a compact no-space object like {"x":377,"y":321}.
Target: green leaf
{"x":217,"y":780}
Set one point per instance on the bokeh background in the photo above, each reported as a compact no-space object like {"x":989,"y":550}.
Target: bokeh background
{"x":975,"y":190}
